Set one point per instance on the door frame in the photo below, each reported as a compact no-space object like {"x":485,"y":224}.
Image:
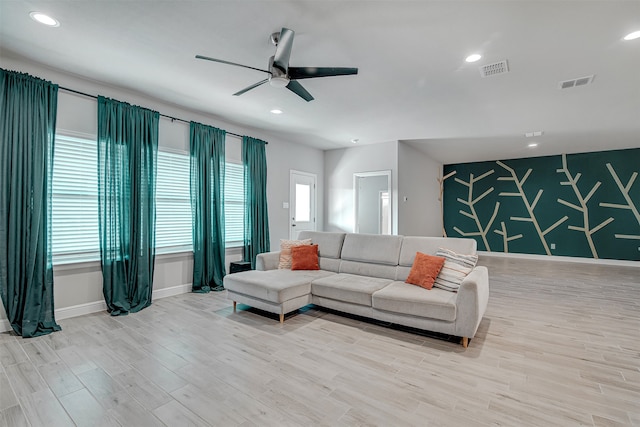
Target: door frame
{"x":356,"y":176}
{"x":314,"y":210}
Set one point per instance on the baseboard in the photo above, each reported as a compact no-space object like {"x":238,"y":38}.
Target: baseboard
{"x":616,"y":262}
{"x":80,"y":310}
{"x":97,"y":306}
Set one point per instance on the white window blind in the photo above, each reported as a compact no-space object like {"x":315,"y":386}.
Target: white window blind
{"x":75,"y":226}
{"x":234,"y":204}
{"x":173,"y":203}
{"x":74,"y":210}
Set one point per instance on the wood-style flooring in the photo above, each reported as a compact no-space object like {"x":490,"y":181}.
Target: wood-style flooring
{"x":559,"y":346}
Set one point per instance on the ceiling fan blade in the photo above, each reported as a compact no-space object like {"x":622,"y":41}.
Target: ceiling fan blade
{"x":297,"y":88}
{"x":298,"y":73}
{"x":253,"y":86}
{"x":231,"y":63}
{"x":283,"y":51}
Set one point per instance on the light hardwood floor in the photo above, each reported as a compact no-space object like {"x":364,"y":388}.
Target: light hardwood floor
{"x":559,"y":346}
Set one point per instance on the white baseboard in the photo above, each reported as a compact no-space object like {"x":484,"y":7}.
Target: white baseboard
{"x":97,"y":306}
{"x":80,"y":310}
{"x":616,"y":262}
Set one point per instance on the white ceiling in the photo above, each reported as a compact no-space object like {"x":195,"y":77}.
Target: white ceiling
{"x":413,"y":83}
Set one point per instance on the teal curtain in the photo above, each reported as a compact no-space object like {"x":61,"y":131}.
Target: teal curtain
{"x":127,"y":153}
{"x":28,"y":109}
{"x":256,"y":216}
{"x":207,"y":206}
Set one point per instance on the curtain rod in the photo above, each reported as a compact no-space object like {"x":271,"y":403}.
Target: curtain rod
{"x":162,"y":115}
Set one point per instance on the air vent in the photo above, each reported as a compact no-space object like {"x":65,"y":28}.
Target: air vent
{"x":580,"y":81}
{"x":495,"y":68}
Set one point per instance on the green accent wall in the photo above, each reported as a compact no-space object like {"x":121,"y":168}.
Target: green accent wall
{"x":587,"y":204}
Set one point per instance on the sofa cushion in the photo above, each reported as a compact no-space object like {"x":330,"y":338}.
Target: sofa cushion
{"x":348,"y":287}
{"x":329,"y":244}
{"x":285,"y":251}
{"x":425,"y":269}
{"x":273,"y":285}
{"x":456,"y":267}
{"x":430,"y":245}
{"x":372,"y":248}
{"x":400,"y":297}
{"x":304,"y":257}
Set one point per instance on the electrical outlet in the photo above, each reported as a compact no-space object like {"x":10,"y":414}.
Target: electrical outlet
{"x":553,"y":246}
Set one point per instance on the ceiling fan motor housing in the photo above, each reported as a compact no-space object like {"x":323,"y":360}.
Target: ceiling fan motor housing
{"x":278,"y":78}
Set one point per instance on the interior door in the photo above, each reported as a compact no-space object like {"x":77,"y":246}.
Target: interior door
{"x":302,"y":203}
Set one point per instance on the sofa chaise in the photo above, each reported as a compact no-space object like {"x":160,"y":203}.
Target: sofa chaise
{"x":364,"y":275}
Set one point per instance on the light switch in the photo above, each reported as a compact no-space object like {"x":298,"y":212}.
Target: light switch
{"x":285,"y":205}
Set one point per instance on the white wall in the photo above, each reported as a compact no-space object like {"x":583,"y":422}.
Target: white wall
{"x":339,"y":167}
{"x":78,"y":288}
{"x":420,"y":214}
{"x":281,"y":158}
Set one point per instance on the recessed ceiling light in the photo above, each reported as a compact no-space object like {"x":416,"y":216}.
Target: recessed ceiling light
{"x":44,"y":19}
{"x":473,"y":58}
{"x":355,"y":140}
{"x":276,"y":111}
{"x":632,"y":36}
{"x":533,"y":145}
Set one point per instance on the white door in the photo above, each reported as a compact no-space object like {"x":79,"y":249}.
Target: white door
{"x":302,"y":203}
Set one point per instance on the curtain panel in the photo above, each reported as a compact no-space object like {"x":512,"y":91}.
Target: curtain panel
{"x":256,"y":216}
{"x":127,"y":154}
{"x":207,"y":147}
{"x":28,"y":108}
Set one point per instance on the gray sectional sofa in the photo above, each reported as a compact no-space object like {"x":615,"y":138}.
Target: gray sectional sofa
{"x":364,"y":274}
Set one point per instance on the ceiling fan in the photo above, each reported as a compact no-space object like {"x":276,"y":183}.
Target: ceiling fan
{"x":281,"y":74}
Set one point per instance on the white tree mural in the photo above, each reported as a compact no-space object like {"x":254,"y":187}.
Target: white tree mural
{"x":441,"y":198}
{"x":505,"y":236}
{"x":470,"y":203}
{"x":625,"y":190}
{"x":530,"y":206}
{"x":572,"y":180}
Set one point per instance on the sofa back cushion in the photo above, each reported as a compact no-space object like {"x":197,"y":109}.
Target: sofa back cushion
{"x":429,"y":245}
{"x":372,"y":248}
{"x":371,"y":255}
{"x":329,"y":244}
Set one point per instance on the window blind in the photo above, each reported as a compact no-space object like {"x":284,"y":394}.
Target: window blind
{"x":74,"y":209}
{"x":234,"y":204}
{"x":173,"y":203}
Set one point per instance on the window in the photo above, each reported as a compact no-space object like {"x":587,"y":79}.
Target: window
{"x":234,"y":204}
{"x":173,"y":203}
{"x":75,"y":228}
{"x":74,"y":210}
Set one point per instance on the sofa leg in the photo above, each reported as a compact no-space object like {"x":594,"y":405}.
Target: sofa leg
{"x":281,"y":318}
{"x":465,"y":342}
{"x":234,"y":306}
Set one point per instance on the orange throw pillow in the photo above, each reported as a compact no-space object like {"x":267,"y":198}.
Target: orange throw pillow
{"x":304,"y":257}
{"x":425,"y":269}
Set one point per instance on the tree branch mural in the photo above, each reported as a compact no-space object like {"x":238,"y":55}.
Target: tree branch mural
{"x":470,"y":202}
{"x":440,"y":198}
{"x":505,"y":237}
{"x":572,"y":180}
{"x":625,"y":190}
{"x":530,"y":206}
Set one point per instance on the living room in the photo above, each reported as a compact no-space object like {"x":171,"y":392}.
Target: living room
{"x":418,"y":147}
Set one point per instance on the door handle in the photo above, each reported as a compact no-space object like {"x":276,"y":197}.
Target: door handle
{"x":293,"y":225}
